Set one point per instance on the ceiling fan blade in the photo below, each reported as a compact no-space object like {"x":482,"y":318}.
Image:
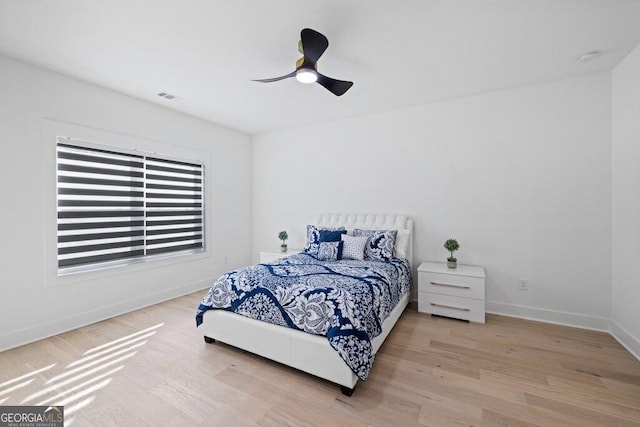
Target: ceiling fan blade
{"x":337,"y":87}
{"x":313,"y":45}
{"x":275,"y":79}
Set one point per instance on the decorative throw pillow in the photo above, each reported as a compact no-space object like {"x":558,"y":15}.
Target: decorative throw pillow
{"x":380,"y":243}
{"x":330,"y":251}
{"x":313,"y":238}
{"x":353,"y":247}
{"x":331,"y":235}
{"x":402,"y":245}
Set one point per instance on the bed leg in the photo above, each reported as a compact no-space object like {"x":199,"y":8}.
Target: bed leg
{"x":209,"y":340}
{"x":347,"y":391}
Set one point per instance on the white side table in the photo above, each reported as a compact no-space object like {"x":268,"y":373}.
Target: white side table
{"x":275,"y":254}
{"x":452,"y":292}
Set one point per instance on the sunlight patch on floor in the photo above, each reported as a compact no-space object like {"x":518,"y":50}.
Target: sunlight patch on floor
{"x":16,"y":387}
{"x":95,"y":362}
{"x":103,"y":352}
{"x":80,"y":405}
{"x":30,"y":374}
{"x":76,"y":386}
{"x":80,"y":386}
{"x":125,"y":338}
{"x":53,"y":387}
{"x":83,"y":393}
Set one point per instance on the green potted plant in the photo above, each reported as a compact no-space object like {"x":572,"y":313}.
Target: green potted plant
{"x":452,"y":245}
{"x":283,"y":236}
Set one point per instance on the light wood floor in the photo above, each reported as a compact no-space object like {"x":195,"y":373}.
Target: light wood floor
{"x":151,"y":367}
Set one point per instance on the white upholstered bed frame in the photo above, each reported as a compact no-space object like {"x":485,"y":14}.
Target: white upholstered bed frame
{"x":307,"y":352}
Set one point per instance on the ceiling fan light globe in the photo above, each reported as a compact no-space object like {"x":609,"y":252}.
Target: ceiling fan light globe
{"x":305,"y":75}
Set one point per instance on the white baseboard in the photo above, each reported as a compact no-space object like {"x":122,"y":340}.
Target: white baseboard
{"x":48,"y":329}
{"x":625,"y":338}
{"x":550,"y":316}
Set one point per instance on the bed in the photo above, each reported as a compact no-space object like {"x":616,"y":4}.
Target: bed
{"x":337,"y":346}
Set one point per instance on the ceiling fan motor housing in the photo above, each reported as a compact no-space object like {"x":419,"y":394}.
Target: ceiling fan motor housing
{"x":307,"y":67}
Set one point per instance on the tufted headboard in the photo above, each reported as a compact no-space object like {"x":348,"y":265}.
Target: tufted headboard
{"x":370,"y":221}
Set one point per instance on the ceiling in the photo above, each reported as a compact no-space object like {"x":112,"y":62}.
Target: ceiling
{"x":398,"y":53}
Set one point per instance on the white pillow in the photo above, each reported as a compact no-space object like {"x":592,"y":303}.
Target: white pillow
{"x":402,"y":244}
{"x":353,"y":247}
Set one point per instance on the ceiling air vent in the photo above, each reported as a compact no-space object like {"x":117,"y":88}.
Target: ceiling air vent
{"x":589,"y":56}
{"x":167,"y":95}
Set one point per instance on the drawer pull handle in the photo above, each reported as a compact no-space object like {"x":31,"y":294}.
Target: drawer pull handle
{"x":449,"y":306}
{"x":450,"y":285}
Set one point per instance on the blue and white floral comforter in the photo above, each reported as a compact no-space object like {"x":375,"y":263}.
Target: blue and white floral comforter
{"x":346,"y":300}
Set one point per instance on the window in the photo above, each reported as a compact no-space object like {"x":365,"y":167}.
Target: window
{"x":117,"y":208}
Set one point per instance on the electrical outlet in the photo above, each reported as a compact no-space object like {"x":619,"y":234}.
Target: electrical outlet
{"x":226,"y":259}
{"x":523,"y":284}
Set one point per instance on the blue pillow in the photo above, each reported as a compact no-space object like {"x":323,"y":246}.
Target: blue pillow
{"x":330,"y":235}
{"x":313,"y":238}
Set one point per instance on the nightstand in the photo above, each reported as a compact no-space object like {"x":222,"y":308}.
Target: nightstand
{"x":451,"y":292}
{"x":272,"y":255}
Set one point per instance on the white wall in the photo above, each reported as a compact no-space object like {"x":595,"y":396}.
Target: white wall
{"x":521,"y":177}
{"x":625,"y":311}
{"x":36,"y":105}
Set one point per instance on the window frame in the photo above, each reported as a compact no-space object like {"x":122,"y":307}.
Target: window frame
{"x":144,"y":156}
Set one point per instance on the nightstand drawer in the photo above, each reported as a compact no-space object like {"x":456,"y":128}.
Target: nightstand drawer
{"x":451,"y":306}
{"x":448,"y":284}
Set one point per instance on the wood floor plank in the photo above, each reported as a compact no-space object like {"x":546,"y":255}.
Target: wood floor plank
{"x":491,"y":418}
{"x":431,"y":359}
{"x":581,"y":413}
{"x":492,"y":396}
{"x":518,"y":361}
{"x":439,"y":410}
{"x":151,"y":367}
{"x":623,"y":411}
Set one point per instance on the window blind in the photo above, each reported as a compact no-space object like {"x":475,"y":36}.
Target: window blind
{"x":174,"y":206}
{"x":115,"y":208}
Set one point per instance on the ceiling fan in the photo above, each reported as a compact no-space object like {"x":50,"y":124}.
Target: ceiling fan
{"x":312,"y":45}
